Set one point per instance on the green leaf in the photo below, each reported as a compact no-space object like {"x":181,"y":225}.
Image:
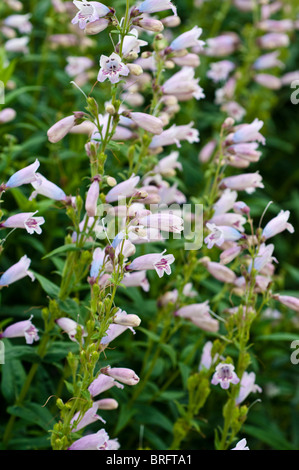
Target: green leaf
{"x":282,"y":336}
{"x":270,"y":436}
{"x":150,"y":415}
{"x":125,"y":415}
{"x":33,"y":413}
{"x":70,"y":247}
{"x":27,"y":353}
{"x":150,"y":334}
{"x":170,"y":351}
{"x":20,"y":91}
{"x":30,"y":443}
{"x":13,"y":378}
{"x":59,"y":350}
{"x":49,"y":287}
{"x":185,"y":372}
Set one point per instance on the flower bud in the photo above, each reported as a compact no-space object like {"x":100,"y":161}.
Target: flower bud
{"x":61,"y":128}
{"x":122,"y":318}
{"x":122,"y":374}
{"x":97,"y":26}
{"x":92,"y":198}
{"x":135,"y":69}
{"x":150,"y":24}
{"x":107,"y":404}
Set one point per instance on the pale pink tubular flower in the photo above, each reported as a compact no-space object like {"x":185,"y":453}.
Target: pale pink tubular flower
{"x":17,"y":272}
{"x":241,"y":445}
{"x":220,"y":272}
{"x":249,"y":132}
{"x":247,"y":150}
{"x":88,"y":418}
{"x":199,"y":315}
{"x":136,"y":279}
{"x":22,"y":329}
{"x":122,"y":190}
{"x":77,"y":65}
{"x":288,"y":300}
{"x":224,"y":376}
{"x":230,"y":219}
{"x":17,"y":45}
{"x":153,"y":6}
{"x":158,"y":261}
{"x":46,"y":188}
{"x":122,"y":374}
{"x":92,"y":198}
{"x":24,"y":220}
{"x":163,"y":221}
{"x":113,"y":332}
{"x":174,"y":135}
{"x":89,"y":12}
{"x":61,"y":128}
{"x":187,"y":39}
{"x":70,"y":327}
{"x":220,"y":70}
{"x":101,"y":384}
{"x":230,"y":254}
{"x":96,"y":441}
{"x":268,"y":80}
{"x":7,"y":115}
{"x":193,"y":309}
{"x":225,"y":202}
{"x":234,"y":110}
{"x":150,"y":123}
{"x":183,"y":83}
{"x":247,"y":386}
{"x":189,"y":60}
{"x":206,"y":359}
{"x":97,"y":262}
{"x":274,"y":40}
{"x":270,"y":9}
{"x":19,"y":22}
{"x":277,"y":225}
{"x":267,"y":61}
{"x":167,"y":165}
{"x":221,"y":233}
{"x":96,"y":26}
{"x":112,"y":67}
{"x":246,"y":181}
{"x":263,"y":257}
{"x":222,"y":45}
{"x":131,"y":43}
{"x":24,"y":176}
